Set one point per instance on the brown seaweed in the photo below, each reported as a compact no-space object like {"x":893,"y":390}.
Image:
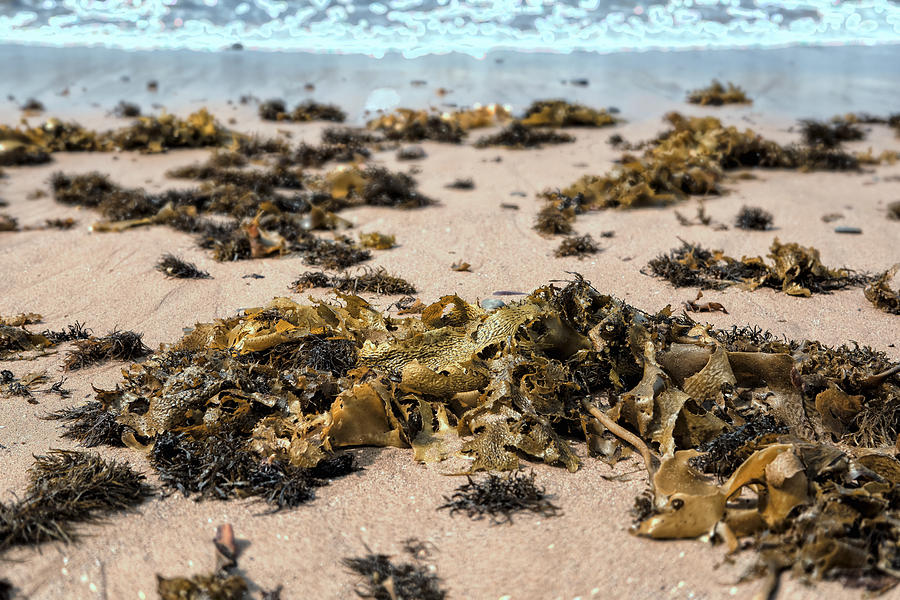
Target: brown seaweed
{"x":559,"y":113}
{"x":829,"y":135}
{"x":172,"y":266}
{"x":275,"y":110}
{"x":717,"y":94}
{"x":376,"y":240}
{"x":118,"y":345}
{"x":386,"y":580}
{"x":500,"y":497}
{"x":753,"y":218}
{"x":795,"y":270}
{"x":579,"y":246}
{"x":377,"y":281}
{"x":884,"y":291}
{"x":520,"y":136}
{"x":68,"y":487}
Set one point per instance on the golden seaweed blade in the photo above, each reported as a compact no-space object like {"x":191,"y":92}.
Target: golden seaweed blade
{"x":884,"y":292}
{"x":716,"y":94}
{"x":417,"y":125}
{"x":559,"y":113}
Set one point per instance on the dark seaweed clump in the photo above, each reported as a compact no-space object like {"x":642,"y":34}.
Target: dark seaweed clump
{"x":91,"y":424}
{"x":723,"y":454}
{"x":830,"y":135}
{"x":579,"y":246}
{"x":386,"y":188}
{"x":275,"y":110}
{"x":307,"y":155}
{"x":33,"y":104}
{"x":377,"y":281}
{"x":348,"y":136}
{"x":463,"y":183}
{"x":500,"y":497}
{"x":172,"y":266}
{"x":118,"y":345}
{"x":753,"y":217}
{"x":70,"y":333}
{"x":386,"y":580}
{"x":6,"y":589}
{"x":794,"y":269}
{"x":127,"y":109}
{"x":517,"y":135}
{"x":717,"y":94}
{"x":220,"y":467}
{"x":68,"y":487}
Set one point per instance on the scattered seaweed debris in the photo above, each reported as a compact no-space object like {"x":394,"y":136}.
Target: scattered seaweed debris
{"x":376,"y":240}
{"x":61,"y":224}
{"x":126,"y":110}
{"x":386,"y":580}
{"x":753,"y":218}
{"x":519,"y":136}
{"x":830,"y":135}
{"x":579,"y":246}
{"x":90,"y":424}
{"x":417,"y":125}
{"x":221,"y":584}
{"x":263,"y":222}
{"x":461,"y":266}
{"x":795,"y":270}
{"x":68,"y":487}
{"x":691,"y":159}
{"x":696,"y":306}
{"x":559,"y":113}
{"x":463,"y":183}
{"x":275,"y":110}
{"x":118,"y":345}
{"x":717,"y":94}
{"x":411,"y":153}
{"x":76,"y":331}
{"x":32,"y":105}
{"x":172,"y":266}
{"x":307,"y":155}
{"x":21,"y":319}
{"x":884,"y":292}
{"x":24,"y":387}
{"x":18,"y":343}
{"x":500,"y":497}
{"x":377,"y":281}
{"x":8,"y":223}
{"x":893,"y":211}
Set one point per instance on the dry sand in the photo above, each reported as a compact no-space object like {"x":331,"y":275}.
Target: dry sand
{"x":108,"y":281}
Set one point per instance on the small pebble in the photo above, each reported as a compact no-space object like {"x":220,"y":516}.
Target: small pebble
{"x":844,"y":229}
{"x":492,"y":303}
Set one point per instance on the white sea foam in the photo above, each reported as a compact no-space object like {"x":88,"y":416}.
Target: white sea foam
{"x":420,"y":27}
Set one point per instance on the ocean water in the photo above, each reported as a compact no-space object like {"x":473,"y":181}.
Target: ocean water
{"x":421,"y":27}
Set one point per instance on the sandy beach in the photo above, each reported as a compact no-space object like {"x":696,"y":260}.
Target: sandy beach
{"x":108,"y":281}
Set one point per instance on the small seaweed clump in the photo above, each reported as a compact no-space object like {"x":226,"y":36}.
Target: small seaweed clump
{"x":416,"y":125}
{"x":500,"y":497}
{"x":275,"y":110}
{"x":386,"y":580}
{"x":579,"y":246}
{"x":90,"y":424}
{"x":753,"y":218}
{"x":172,"y":266}
{"x":795,"y":270}
{"x":830,"y":135}
{"x":212,"y":586}
{"x":884,"y":292}
{"x":68,"y":487}
{"x":377,"y":281}
{"x":519,"y":136}
{"x":559,"y":113}
{"x":717,"y":94}
{"x":118,"y":345}
{"x":127,"y":110}
{"x":376,"y":240}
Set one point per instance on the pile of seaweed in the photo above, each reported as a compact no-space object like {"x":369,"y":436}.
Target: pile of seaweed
{"x":17,"y":342}
{"x":692,"y":158}
{"x":517,"y":135}
{"x":33,"y":145}
{"x":560,"y":113}
{"x":795,"y":270}
{"x":68,"y":487}
{"x":285,"y":385}
{"x":716,"y":94}
{"x":261,"y":221}
{"x":409,"y":125}
{"x":275,"y":110}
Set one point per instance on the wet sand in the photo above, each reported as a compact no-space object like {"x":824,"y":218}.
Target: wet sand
{"x":108,"y":280}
